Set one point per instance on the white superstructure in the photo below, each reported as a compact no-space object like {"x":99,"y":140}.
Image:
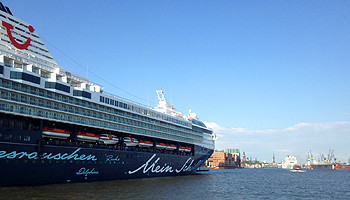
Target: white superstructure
{"x":289,"y":162}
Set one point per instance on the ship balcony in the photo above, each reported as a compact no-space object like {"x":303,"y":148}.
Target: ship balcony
{"x":55,"y":101}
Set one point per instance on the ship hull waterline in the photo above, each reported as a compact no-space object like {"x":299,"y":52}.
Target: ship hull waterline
{"x":28,"y":164}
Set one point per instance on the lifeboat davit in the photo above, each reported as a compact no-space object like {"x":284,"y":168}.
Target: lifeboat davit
{"x":130,"y":142}
{"x":87,"y":137}
{"x":170,"y":147}
{"x":160,"y":145}
{"x":55,"y":133}
{"x":108,"y":139}
{"x":144,"y":143}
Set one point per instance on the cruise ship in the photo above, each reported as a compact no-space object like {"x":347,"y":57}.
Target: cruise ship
{"x":58,"y":127}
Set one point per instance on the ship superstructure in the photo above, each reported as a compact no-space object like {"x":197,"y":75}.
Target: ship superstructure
{"x":51,"y":119}
{"x":289,"y":162}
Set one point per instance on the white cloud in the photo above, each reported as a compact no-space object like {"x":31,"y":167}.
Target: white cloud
{"x":220,"y":135}
{"x":297,"y":140}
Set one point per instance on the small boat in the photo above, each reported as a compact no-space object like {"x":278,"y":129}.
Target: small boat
{"x":144,"y":143}
{"x":170,"y":147}
{"x":130,"y":142}
{"x":109,"y":139}
{"x":55,"y":133}
{"x":160,"y":145}
{"x":297,"y":168}
{"x":87,"y":137}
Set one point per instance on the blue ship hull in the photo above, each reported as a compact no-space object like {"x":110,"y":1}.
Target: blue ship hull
{"x":30,"y":164}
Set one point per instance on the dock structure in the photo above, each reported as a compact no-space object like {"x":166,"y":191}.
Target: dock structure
{"x":333,"y":166}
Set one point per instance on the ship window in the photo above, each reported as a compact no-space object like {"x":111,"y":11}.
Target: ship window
{"x":25,"y":77}
{"x":1,"y":69}
{"x":87,"y":95}
{"x":77,"y":93}
{"x":102,"y":99}
{"x":16,"y":75}
{"x":57,"y":86}
{"x":82,"y":94}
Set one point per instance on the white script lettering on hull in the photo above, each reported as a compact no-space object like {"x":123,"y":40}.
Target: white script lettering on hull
{"x":84,"y":171}
{"x":47,"y":156}
{"x":154,"y":167}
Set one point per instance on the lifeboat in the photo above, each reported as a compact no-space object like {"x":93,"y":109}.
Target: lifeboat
{"x":170,"y":147}
{"x":144,"y":143}
{"x":108,"y":139}
{"x":87,"y":137}
{"x":188,"y":149}
{"x":130,"y":142}
{"x":160,"y":145}
{"x":55,"y":133}
{"x":181,"y":148}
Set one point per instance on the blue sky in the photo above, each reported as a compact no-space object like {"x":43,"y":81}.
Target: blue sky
{"x":268,"y":76}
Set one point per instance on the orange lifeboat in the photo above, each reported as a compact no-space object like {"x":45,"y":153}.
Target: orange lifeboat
{"x":160,"y":145}
{"x":144,"y":143}
{"x":188,"y":149}
{"x":181,"y":148}
{"x":170,"y":147}
{"x":108,"y":139}
{"x":130,"y":142}
{"x":87,"y":137}
{"x":55,"y":133}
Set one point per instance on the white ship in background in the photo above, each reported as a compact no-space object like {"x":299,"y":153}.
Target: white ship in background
{"x":289,"y":162}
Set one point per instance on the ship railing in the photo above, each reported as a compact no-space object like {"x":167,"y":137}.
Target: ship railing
{"x":158,"y":115}
{"x":127,"y":100}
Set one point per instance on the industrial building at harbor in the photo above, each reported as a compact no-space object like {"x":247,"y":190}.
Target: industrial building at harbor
{"x":225,"y":159}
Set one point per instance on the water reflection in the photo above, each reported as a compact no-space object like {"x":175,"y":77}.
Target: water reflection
{"x":216,"y":184}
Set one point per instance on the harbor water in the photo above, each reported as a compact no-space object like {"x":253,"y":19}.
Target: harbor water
{"x":268,"y":183}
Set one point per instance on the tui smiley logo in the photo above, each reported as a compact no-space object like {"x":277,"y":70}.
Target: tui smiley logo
{"x":13,"y":41}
